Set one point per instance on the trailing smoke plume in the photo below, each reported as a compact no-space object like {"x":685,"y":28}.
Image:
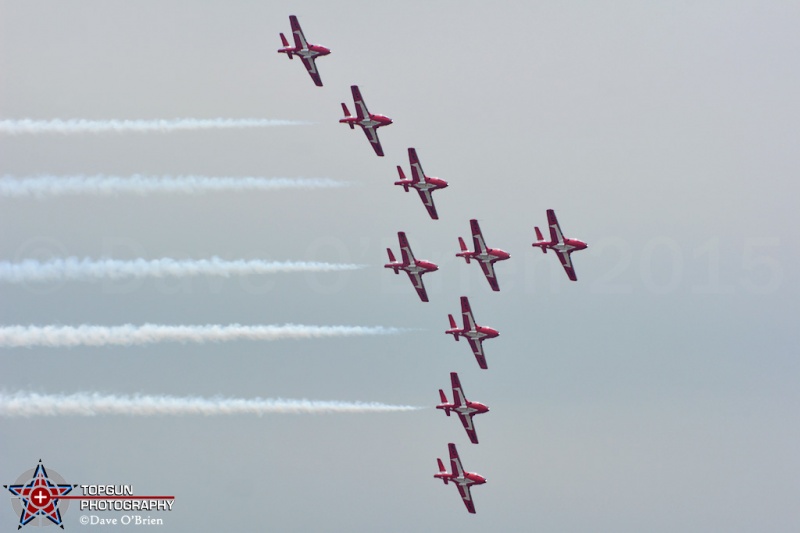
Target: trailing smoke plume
{"x":91,"y":404}
{"x":29,"y":126}
{"x":74,"y":269}
{"x":47,"y":186}
{"x":129,"y":335}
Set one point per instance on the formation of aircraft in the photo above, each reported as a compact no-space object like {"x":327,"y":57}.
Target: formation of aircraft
{"x":562,"y":246}
{"x":464,"y":408}
{"x":486,"y":257}
{"x":369,"y":122}
{"x":425,"y":185}
{"x":474,"y":333}
{"x":306,"y":51}
{"x":461,"y":478}
{"x":415,"y":268}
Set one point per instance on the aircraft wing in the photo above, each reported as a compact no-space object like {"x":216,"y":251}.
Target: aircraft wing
{"x":455,"y":461}
{"x":477,"y":236}
{"x":417,"y":174}
{"x":566,"y":262}
{"x":466,"y":421}
{"x":466,"y":495}
{"x":405,"y":249}
{"x":555,"y":230}
{"x":299,"y":38}
{"x":361,"y":107}
{"x":458,"y":471}
{"x":458,"y":394}
{"x":427,"y":201}
{"x":416,"y":281}
{"x":488,"y":271}
{"x":372,"y":135}
{"x":466,"y":312}
{"x":311,"y":67}
{"x":477,"y":350}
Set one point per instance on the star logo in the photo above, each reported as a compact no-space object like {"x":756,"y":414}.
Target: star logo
{"x":39,"y":496}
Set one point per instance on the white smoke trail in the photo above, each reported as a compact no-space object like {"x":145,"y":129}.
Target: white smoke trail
{"x":75,"y":269}
{"x":30,"y":126}
{"x":45,"y":186}
{"x":128,"y":334}
{"x":92,"y":404}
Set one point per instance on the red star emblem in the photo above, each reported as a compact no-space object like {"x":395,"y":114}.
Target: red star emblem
{"x":40,"y":497}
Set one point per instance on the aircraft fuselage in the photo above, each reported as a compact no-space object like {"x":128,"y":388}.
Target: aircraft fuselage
{"x":475,"y":334}
{"x":469,"y":478}
{"x":568,"y":246}
{"x":374,"y":121}
{"x":491,"y":255}
{"x":472,"y":408}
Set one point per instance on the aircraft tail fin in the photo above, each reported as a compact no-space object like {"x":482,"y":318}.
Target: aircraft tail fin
{"x":443,"y":398}
{"x":442,"y":470}
{"x":286,"y":45}
{"x":464,"y":248}
{"x":392,"y":260}
{"x":539,"y":238}
{"x":346,"y":116}
{"x":453,"y":326}
{"x":402,"y":178}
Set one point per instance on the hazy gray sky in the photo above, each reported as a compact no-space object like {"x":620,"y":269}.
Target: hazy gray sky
{"x":658,"y":393}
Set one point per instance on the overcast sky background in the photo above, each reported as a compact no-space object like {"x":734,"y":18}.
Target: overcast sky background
{"x":658,"y":393}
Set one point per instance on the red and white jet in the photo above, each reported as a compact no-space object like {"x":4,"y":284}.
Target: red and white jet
{"x":474,"y":334}
{"x":413,"y":267}
{"x":464,"y":408}
{"x":368,"y":122}
{"x":486,"y":257}
{"x":425,"y":185}
{"x":562,"y":246}
{"x":462,"y":479}
{"x":308,"y":52}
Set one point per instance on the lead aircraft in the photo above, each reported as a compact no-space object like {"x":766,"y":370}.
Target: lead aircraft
{"x":562,"y":246}
{"x":369,"y":122}
{"x":486,"y":257}
{"x":474,"y":333}
{"x":464,"y":408}
{"x":425,"y":185}
{"x":463,"y":480}
{"x":306,"y":51}
{"x":413,"y":267}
